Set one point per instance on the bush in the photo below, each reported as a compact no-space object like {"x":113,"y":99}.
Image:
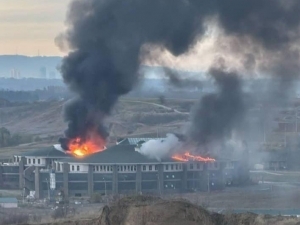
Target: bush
{"x":58,"y":213}
{"x":7,"y":139}
{"x":96,"y":198}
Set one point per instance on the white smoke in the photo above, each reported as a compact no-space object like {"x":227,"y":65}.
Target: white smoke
{"x":159,"y":149}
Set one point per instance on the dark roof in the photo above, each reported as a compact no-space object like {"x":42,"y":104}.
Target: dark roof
{"x":8,"y":200}
{"x":49,"y":152}
{"x":117,"y":154}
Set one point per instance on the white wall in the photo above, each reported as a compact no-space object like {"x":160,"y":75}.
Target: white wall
{"x":35,"y":161}
{"x":78,"y":168}
{"x":173,"y":167}
{"x":195,"y":166}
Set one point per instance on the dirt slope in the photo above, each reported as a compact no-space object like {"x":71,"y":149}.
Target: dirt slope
{"x":143,"y":210}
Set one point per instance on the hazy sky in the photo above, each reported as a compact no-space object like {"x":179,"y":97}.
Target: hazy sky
{"x":30,"y":26}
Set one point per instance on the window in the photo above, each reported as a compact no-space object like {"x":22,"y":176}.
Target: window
{"x":121,"y":168}
{"x":144,"y":168}
{"x":134,"y":168}
{"x":33,"y":161}
{"x":167,"y":167}
{"x":176,"y":166}
{"x":156,"y":167}
{"x":104,"y":168}
{"x":39,"y":161}
{"x":107,"y":168}
{"x":78,"y":168}
{"x":29,"y":161}
{"x":172,"y":167}
{"x":150,"y":168}
{"x":131,"y":168}
{"x":128,"y":168}
{"x":100,"y":168}
{"x":72,"y":168}
{"x":191,"y":166}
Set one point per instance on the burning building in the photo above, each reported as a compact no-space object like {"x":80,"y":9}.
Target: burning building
{"x":122,"y":168}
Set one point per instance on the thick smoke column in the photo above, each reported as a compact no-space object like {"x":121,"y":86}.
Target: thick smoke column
{"x":106,"y":39}
{"x":215,"y":116}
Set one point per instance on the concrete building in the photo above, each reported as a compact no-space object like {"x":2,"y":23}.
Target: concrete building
{"x":8,"y":203}
{"x":120,"y":169}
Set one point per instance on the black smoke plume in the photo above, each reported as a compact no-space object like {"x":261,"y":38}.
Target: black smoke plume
{"x":217,"y":114}
{"x":105,"y":38}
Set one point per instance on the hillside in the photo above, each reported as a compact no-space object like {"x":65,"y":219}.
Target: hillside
{"x":131,"y":117}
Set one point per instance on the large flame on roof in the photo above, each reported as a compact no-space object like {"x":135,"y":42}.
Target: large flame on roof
{"x":80,"y":147}
{"x":189,"y":157}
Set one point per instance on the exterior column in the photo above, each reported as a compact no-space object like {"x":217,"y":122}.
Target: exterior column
{"x":184,"y":177}
{"x":66,"y":169}
{"x":160,"y":179}
{"x":138,"y":179}
{"x":1,"y":176}
{"x":115,"y":180}
{"x":21,"y":172}
{"x":90,"y":181}
{"x":37,"y":183}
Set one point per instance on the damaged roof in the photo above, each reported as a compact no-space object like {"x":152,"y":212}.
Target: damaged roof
{"x":117,"y":154}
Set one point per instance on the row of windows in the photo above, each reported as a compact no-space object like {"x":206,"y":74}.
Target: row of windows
{"x":73,"y":168}
{"x":199,"y":165}
{"x":34,"y":161}
{"x":103,"y":168}
{"x":126,"y":168}
{"x":173,"y":167}
{"x":150,"y":168}
{"x":132,"y":168}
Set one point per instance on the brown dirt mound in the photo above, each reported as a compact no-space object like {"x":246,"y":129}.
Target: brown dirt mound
{"x":143,"y":210}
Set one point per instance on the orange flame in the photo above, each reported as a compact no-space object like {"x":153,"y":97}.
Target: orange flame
{"x":187,"y":157}
{"x":93,"y":144}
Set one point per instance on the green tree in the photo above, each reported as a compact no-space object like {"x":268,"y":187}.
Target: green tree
{"x":4,"y":137}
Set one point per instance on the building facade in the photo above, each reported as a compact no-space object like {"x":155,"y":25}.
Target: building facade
{"x":120,"y":169}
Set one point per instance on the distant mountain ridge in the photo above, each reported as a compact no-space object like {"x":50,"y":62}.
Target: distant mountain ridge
{"x":20,"y":66}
